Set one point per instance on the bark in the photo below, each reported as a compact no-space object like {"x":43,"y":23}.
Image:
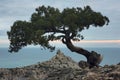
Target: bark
{"x":93,"y":58}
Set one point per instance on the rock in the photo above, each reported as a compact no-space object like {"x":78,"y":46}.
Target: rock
{"x":83,"y":64}
{"x":61,"y":61}
{"x":91,"y":76}
{"x":115,"y":75}
{"x":60,"y":74}
{"x":94,"y":59}
{"x":61,"y":67}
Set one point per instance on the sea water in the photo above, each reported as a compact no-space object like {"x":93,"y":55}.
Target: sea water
{"x":29,"y":56}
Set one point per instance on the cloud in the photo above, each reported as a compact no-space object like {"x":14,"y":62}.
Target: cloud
{"x":83,"y":43}
{"x":2,"y":33}
{"x":91,"y":43}
{"x":4,"y":41}
{"x":12,"y":10}
{"x":100,"y":41}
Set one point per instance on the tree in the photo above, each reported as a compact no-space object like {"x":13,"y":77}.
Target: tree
{"x":49,"y":23}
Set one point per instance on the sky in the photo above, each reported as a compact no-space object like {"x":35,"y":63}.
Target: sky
{"x":12,"y":10}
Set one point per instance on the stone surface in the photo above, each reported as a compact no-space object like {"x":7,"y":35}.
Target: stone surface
{"x":61,"y":67}
{"x":61,"y":61}
{"x":83,"y":64}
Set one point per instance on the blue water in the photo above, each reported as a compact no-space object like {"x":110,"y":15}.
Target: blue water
{"x":28,"y":56}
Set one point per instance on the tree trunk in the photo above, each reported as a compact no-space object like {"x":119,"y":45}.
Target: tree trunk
{"x":93,"y":58}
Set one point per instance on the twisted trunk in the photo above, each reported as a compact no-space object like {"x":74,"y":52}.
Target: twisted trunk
{"x":93,"y":58}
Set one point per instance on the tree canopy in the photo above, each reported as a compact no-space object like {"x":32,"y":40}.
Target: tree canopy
{"x":49,"y":23}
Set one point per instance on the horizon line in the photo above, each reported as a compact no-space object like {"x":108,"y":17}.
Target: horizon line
{"x":91,"y":41}
{"x":5,"y":41}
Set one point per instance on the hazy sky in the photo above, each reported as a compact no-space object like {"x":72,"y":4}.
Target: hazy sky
{"x":12,"y":10}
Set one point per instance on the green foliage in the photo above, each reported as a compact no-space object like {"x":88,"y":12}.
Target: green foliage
{"x":48,"y":23}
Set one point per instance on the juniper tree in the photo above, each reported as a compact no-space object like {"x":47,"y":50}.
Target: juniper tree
{"x":49,"y":24}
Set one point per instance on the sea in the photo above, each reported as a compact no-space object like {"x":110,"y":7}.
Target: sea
{"x":30,"y":56}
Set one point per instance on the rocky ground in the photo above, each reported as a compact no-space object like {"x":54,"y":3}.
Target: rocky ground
{"x":61,"y":67}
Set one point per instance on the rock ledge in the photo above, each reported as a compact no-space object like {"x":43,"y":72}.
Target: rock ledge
{"x":61,"y":67}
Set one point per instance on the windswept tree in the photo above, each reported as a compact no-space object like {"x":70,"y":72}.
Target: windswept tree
{"x":49,"y":24}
